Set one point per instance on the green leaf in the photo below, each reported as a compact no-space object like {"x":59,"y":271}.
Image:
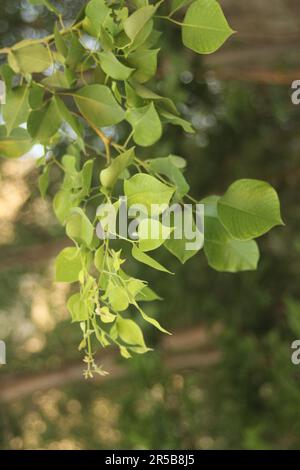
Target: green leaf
{"x":141,"y":38}
{"x":132,"y":99}
{"x":44,"y":123}
{"x":166,"y":167}
{"x":122,"y":41}
{"x":179,"y":244}
{"x":67,"y":116}
{"x":16,"y":145}
{"x":13,"y":64}
{"x":100,"y":334}
{"x":118,"y":298}
{"x":214,"y":230}
{"x":146,"y":259}
{"x":68,"y":265}
{"x":152,"y":39}
{"x":63,"y":203}
{"x":124,"y":352}
{"x":7,"y":74}
{"x":98,"y":15}
{"x":147,"y":295}
{"x":134,"y":24}
{"x":130,"y":333}
{"x":152,"y":234}
{"x":145,"y":63}
{"x":122,"y":14}
{"x":113,"y":67}
{"x":76,"y":53}
{"x":147,"y":94}
{"x":134,"y":286}
{"x":79,"y":228}
{"x":110,"y":175}
{"x":34,"y":58}
{"x":106,"y":316}
{"x":44,"y":181}
{"x":140,"y":3}
{"x":116,"y":92}
{"x":177,"y":121}
{"x":153,"y":322}
{"x":72,"y":178}
{"x":146,"y":190}
{"x":116,"y":261}
{"x":36,"y":96}
{"x":249,"y":209}
{"x":86,"y":177}
{"x":146,"y":125}
{"x":224,"y":253}
{"x":137,"y":289}
{"x":70,"y":163}
{"x":60,"y":79}
{"x":177,"y":4}
{"x":16,"y":109}
{"x":78,"y":308}
{"x":205,"y":27}
{"x":180,"y":162}
{"x":233,"y":255}
{"x":99,"y":259}
{"x":106,"y":39}
{"x":98,"y":105}
{"x":60,"y":43}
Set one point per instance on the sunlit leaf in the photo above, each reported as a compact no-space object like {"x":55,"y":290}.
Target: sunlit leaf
{"x":146,"y":125}
{"x":68,"y":265}
{"x":249,"y":208}
{"x":16,"y":109}
{"x":205,"y":27}
{"x":146,"y":190}
{"x":148,"y":260}
{"x":33,"y":58}
{"x":79,"y":228}
{"x":113,"y":67}
{"x":16,"y":145}
{"x":109,"y":175}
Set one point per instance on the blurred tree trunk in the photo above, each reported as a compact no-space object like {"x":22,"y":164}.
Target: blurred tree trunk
{"x":188,"y":349}
{"x":266,"y":47}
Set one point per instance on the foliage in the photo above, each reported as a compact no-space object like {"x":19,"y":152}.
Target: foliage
{"x":92,"y":75}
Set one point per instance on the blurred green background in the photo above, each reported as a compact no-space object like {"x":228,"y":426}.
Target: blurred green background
{"x":224,"y":380}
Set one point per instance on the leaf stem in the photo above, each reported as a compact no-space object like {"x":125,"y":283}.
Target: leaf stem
{"x":169,"y":19}
{"x":106,"y":140}
{"x":45,"y":39}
